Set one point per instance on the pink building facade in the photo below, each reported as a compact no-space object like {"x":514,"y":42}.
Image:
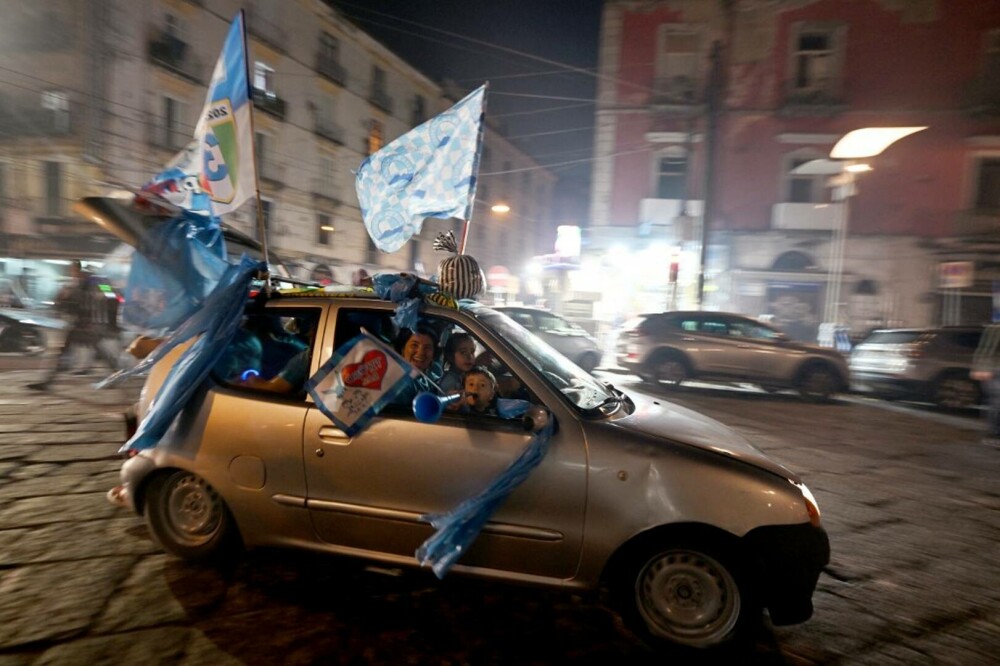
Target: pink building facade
{"x":706,"y":109}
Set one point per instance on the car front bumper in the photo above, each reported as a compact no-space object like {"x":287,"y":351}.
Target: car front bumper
{"x":788,"y":560}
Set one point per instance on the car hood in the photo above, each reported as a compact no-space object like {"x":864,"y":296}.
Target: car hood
{"x":664,"y":420}
{"x":32,"y":318}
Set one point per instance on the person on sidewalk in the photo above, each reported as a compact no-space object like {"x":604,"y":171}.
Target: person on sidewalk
{"x":986,"y":369}
{"x":92,"y":317}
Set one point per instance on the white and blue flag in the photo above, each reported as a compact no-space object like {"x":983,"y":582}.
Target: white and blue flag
{"x":215,"y":174}
{"x":430,"y":171}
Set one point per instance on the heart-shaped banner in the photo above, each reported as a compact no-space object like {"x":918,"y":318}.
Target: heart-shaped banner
{"x":368,"y":373}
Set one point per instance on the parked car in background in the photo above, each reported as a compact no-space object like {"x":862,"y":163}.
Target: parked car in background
{"x":674,"y":347}
{"x":564,"y":336}
{"x":26,"y":332}
{"x":692,"y":528}
{"x":926,"y":364}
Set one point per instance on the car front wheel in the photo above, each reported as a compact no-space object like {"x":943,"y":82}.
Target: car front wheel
{"x":669,"y":369}
{"x":188,"y":518}
{"x":689,"y":597}
{"x":956,"y":391}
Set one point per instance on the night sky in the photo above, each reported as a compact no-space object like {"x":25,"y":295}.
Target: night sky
{"x":522,"y":47}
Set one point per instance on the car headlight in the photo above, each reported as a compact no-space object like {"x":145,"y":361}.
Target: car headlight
{"x":812,"y":508}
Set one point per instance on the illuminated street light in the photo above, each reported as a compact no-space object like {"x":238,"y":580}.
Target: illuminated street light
{"x":500,"y":208}
{"x":843,"y":168}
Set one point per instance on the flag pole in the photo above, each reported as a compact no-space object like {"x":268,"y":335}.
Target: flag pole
{"x":475,"y":169}
{"x":261,"y":230}
{"x":465,"y":237}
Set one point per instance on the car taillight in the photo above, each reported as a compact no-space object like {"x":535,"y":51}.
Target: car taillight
{"x":914,"y":353}
{"x":812,"y":508}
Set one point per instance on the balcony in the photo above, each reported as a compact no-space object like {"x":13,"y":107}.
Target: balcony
{"x":330,"y":69}
{"x":265,"y":30}
{"x":982,"y":96}
{"x":806,"y":216}
{"x":682,"y":91}
{"x":664,"y":219}
{"x":820,"y":98}
{"x":981,"y":224}
{"x":269,"y":103}
{"x":323,"y":188}
{"x":22,"y":119}
{"x":172,"y":54}
{"x":270,"y":173}
{"x":159,"y":135}
{"x":380,"y":98}
{"x":329,"y":131}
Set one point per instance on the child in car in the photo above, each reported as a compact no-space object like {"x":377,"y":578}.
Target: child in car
{"x":480,"y":392}
{"x":459,"y":357}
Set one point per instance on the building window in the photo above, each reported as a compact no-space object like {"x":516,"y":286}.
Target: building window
{"x":172,"y":131}
{"x":802,"y":188}
{"x":53,"y":189}
{"x":815,"y":66}
{"x":374,"y":137}
{"x":378,"y":80}
{"x":56,"y":105}
{"x":671,"y":179}
{"x":324,"y":229}
{"x":173,"y":26}
{"x":263,"y":78}
{"x":679,"y":51}
{"x":419,"y":110}
{"x":329,"y":48}
{"x":988,"y":185}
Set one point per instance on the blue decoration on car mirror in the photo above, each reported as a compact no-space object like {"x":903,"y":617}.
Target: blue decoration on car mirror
{"x":457,"y":529}
{"x":217,"y":322}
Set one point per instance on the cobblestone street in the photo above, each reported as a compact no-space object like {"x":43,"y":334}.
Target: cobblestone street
{"x":911,"y":501}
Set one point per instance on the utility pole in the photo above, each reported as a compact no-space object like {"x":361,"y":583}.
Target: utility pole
{"x":712,"y":103}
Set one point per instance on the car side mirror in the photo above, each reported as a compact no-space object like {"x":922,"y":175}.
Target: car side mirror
{"x":535,"y":418}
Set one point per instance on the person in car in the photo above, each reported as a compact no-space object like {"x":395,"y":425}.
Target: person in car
{"x":459,"y":358}
{"x":480,"y":392}
{"x":419,"y":349}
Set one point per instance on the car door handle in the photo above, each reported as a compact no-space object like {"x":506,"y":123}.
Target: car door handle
{"x":332,"y":435}
{"x":688,"y":339}
{"x":745,"y":346}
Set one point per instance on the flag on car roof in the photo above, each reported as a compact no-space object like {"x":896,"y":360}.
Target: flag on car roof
{"x":361,"y":378}
{"x":215,"y":173}
{"x":430,"y":171}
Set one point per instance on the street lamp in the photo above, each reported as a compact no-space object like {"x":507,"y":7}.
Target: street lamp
{"x":843,"y":169}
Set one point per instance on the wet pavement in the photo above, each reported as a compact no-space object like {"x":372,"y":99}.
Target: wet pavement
{"x":910,"y":497}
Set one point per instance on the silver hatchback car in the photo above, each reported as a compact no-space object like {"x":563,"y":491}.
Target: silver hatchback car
{"x":692,"y":528}
{"x":566,"y":337}
{"x":674,"y":347}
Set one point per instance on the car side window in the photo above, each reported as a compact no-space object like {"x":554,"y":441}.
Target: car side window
{"x":714,"y":327}
{"x":524,"y":319}
{"x":688,"y":325}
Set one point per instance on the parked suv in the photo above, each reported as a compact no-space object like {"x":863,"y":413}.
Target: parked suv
{"x":930,"y":364}
{"x":564,"y":336}
{"x":672,"y":347}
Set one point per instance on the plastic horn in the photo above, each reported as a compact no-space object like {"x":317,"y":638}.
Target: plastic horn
{"x":428,"y":407}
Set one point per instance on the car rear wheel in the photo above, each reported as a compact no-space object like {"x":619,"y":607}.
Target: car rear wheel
{"x":956,"y":391}
{"x":669,"y":368}
{"x":188,"y":518}
{"x":817,"y":383}
{"x":32,"y":341}
{"x":688,"y":596}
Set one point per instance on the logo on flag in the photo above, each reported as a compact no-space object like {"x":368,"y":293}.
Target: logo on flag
{"x":361,"y":378}
{"x":428,"y":172}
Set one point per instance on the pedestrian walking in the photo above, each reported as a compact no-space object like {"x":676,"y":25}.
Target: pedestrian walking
{"x":93,"y":322}
{"x":986,"y":369}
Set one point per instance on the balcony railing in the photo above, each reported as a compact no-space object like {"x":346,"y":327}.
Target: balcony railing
{"x":22,"y":119}
{"x":821,"y":98}
{"x":271,"y":173}
{"x":331,"y":69}
{"x":265,"y":30}
{"x":159,"y":135}
{"x":330,"y":131}
{"x":173,"y":54}
{"x":676,"y":90}
{"x":381,"y":99}
{"x":982,"y":95}
{"x":978,"y":224}
{"x":806,"y":216}
{"x":324,"y":189}
{"x":269,"y":102}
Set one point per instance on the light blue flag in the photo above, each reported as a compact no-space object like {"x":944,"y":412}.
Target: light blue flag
{"x":430,"y":171}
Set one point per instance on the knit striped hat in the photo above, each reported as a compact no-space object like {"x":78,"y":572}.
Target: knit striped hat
{"x":460,"y":275}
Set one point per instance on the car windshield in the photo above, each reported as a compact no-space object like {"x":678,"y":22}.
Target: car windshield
{"x":579,"y":387}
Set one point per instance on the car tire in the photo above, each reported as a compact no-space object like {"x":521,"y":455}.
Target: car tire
{"x":187,"y":517}
{"x":588,"y":362}
{"x":669,"y":368}
{"x":687,"y":596}
{"x":817,"y":383}
{"x":956,"y":391}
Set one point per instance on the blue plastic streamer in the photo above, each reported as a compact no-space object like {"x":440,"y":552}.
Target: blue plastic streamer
{"x":217,"y":322}
{"x":457,"y":529}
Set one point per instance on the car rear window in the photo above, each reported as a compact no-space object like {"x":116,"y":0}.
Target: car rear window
{"x":967,"y":339}
{"x":893,"y":337}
